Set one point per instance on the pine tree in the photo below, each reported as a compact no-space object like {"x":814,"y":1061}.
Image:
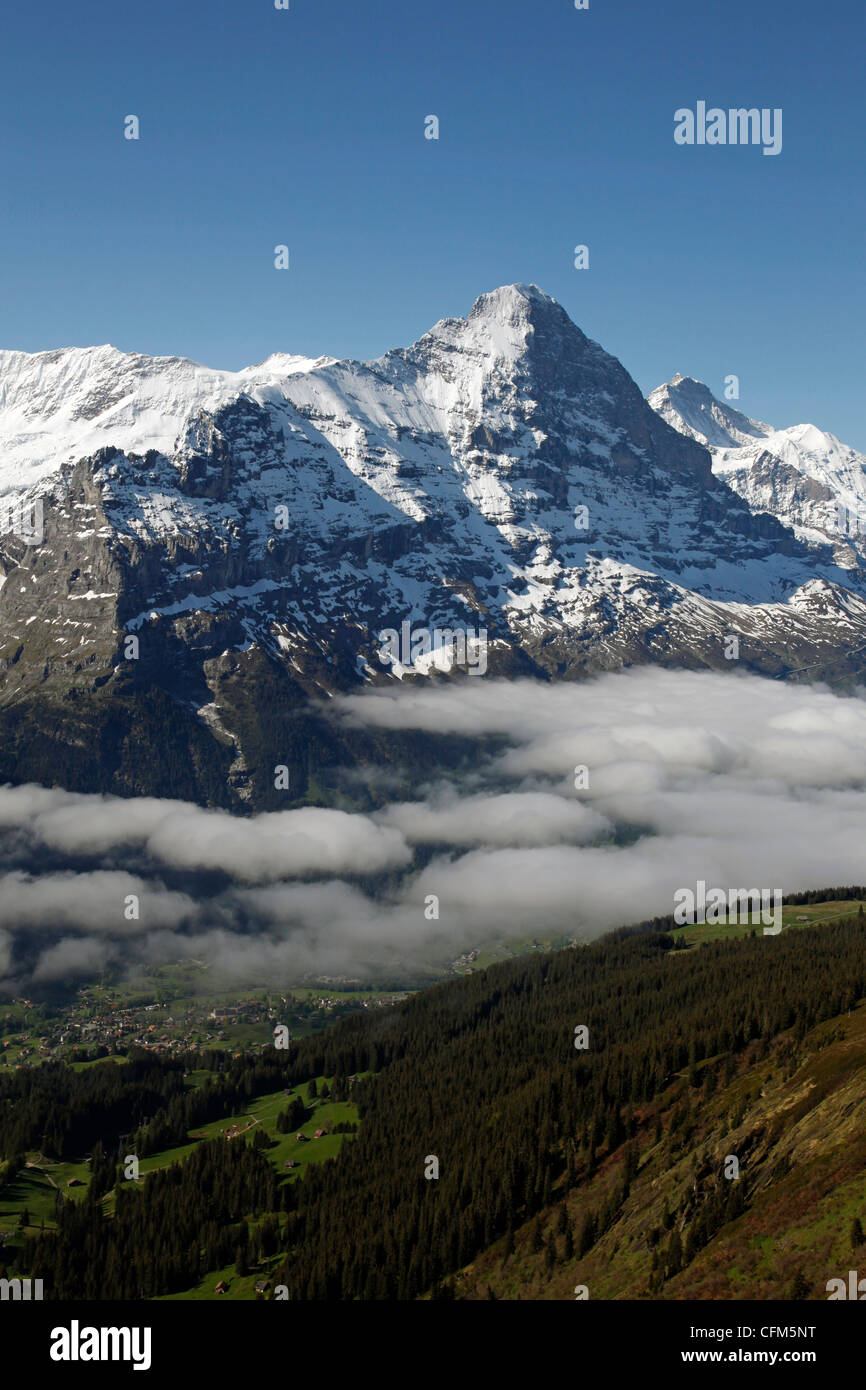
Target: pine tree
{"x":587,"y":1235}
{"x":674,"y":1258}
{"x":569,"y":1167}
{"x":690,"y":1249}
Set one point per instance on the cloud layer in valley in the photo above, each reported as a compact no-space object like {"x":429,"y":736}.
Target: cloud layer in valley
{"x":607,"y":796}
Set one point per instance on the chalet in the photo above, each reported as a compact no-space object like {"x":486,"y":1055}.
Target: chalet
{"x":290,"y":1163}
{"x":74,"y":1182}
{"x":221,"y":1015}
{"x":320,"y":1133}
{"x":222,"y":1287}
{"x":262,"y":1286}
{"x":301,"y":1138}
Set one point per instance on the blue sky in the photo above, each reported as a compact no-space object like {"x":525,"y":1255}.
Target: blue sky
{"x":306,"y":127}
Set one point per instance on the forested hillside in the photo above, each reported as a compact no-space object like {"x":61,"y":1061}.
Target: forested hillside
{"x":605,"y":1165}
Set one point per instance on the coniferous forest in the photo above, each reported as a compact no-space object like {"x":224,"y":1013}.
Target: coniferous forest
{"x":479,"y":1119}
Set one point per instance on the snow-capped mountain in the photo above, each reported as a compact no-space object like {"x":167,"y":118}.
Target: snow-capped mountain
{"x":692,"y":409}
{"x":257,"y":532}
{"x":57,"y":407}
{"x":806,"y":477}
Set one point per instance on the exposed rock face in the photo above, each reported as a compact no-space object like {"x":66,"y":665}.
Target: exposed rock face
{"x":807,"y":478}
{"x":189,"y":603}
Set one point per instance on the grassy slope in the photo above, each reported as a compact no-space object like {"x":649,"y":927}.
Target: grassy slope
{"x":32,"y":1189}
{"x":802,"y":1147}
{"x":809,"y":915}
{"x":265,"y":1111}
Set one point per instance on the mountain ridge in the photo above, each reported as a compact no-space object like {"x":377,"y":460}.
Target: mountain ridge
{"x":804,"y":476}
{"x":257,"y":532}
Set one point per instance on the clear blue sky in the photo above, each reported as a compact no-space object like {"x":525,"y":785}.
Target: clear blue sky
{"x":306,"y":127}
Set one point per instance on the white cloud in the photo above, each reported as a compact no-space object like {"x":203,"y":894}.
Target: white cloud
{"x":741,"y":782}
{"x":515,"y":818}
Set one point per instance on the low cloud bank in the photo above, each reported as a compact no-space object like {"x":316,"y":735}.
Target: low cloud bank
{"x":609,"y":796}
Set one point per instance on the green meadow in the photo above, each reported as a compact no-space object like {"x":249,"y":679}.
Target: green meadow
{"x":810,"y":915}
{"x":35,"y":1187}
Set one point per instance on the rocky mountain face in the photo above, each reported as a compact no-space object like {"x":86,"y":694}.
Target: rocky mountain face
{"x":807,"y":478}
{"x":221,"y":550}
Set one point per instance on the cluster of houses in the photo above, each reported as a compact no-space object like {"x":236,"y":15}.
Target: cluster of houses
{"x":303,"y":1139}
{"x":463,"y":965}
{"x":263,"y":1287}
{"x":95,"y":1021}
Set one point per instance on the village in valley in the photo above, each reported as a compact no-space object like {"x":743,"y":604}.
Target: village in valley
{"x":105,"y":1020}
{"x":172,"y":1011}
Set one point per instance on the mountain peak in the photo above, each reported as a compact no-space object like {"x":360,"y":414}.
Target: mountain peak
{"x":691,"y":408}
{"x":508,"y":299}
{"x":507,"y":327}
{"x":509,"y":307}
